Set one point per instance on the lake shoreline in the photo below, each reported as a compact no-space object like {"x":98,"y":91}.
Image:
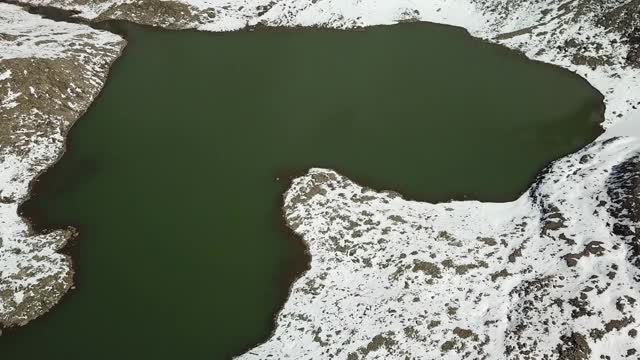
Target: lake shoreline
{"x":50,"y":272}
{"x":259,"y":28}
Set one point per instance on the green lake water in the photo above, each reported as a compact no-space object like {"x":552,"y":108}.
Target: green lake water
{"x":175,"y":175}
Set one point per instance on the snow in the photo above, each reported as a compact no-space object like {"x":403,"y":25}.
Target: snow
{"x":9,"y":101}
{"x":630,"y":126}
{"x":5,"y":75}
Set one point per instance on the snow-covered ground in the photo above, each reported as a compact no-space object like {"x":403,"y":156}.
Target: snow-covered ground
{"x":554,"y":274}
{"x":49,"y":74}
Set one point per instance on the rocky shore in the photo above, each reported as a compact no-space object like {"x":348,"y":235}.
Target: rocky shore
{"x":49,"y":74}
{"x":554,"y":274}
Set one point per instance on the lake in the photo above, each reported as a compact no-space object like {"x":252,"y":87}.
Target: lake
{"x":175,"y":176}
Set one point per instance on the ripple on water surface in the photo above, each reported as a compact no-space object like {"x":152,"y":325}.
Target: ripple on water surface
{"x":175,"y":175}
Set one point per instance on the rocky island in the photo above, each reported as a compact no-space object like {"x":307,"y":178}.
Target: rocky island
{"x":552,"y":275}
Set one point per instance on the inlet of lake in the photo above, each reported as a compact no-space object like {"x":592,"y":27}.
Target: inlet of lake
{"x":174,"y":177}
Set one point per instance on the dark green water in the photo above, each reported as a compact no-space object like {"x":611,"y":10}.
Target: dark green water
{"x":171,"y":177}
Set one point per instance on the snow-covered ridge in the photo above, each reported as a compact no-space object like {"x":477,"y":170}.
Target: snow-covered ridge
{"x":49,"y":74}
